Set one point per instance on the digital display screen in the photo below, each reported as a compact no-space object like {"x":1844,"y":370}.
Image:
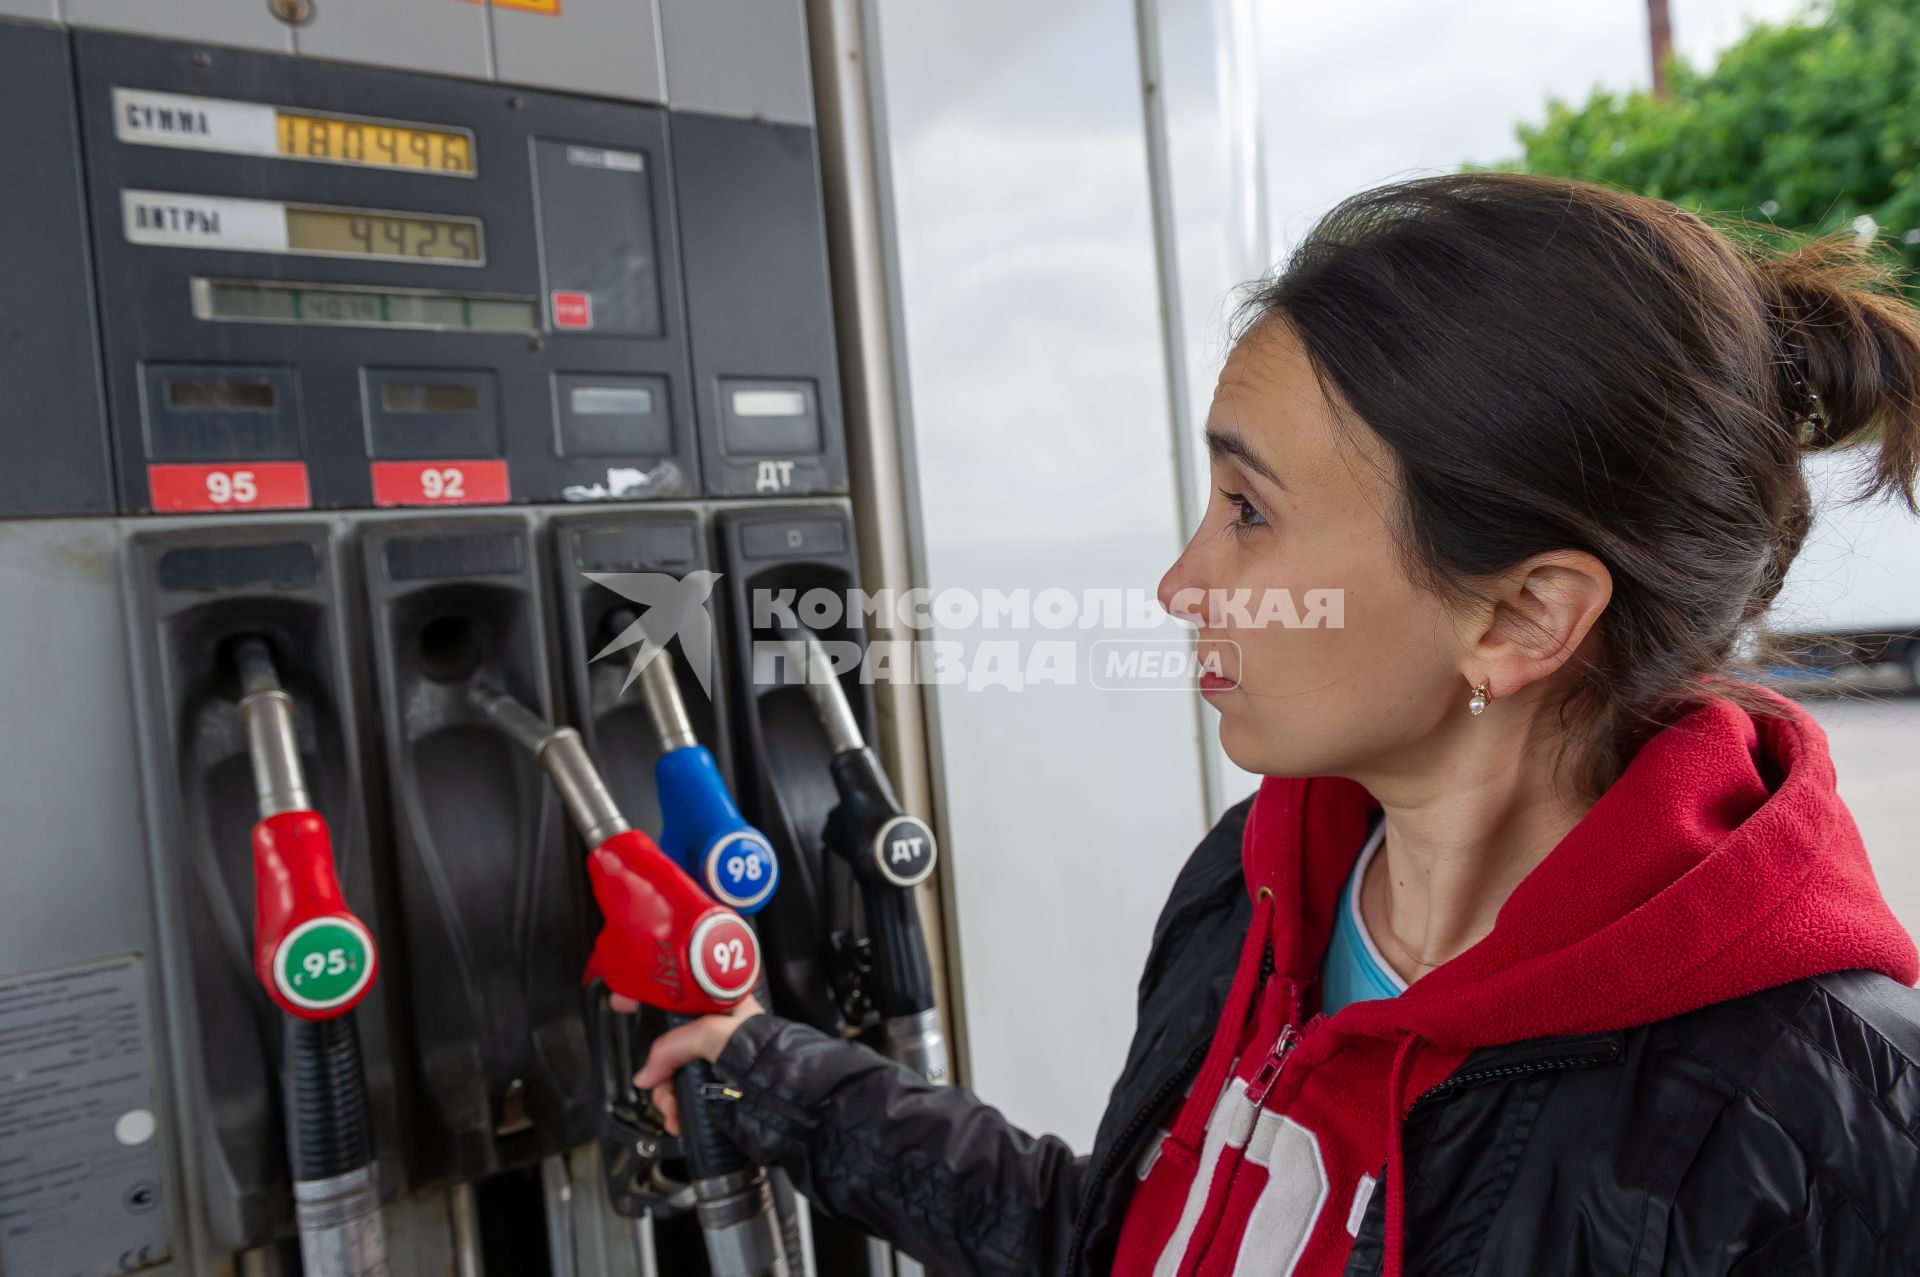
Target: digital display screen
{"x":200,"y":395}
{"x":272,"y":303}
{"x":380,"y":143}
{"x":425,"y":396}
{"x":611,"y":401}
{"x":191,"y":123}
{"x":312,"y":229}
{"x":769,"y":403}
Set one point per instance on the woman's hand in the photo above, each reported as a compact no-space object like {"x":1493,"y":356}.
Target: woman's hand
{"x":702,"y":1039}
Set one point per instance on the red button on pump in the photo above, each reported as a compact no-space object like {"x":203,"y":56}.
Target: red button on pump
{"x":571,"y":309}
{"x":725,"y":956}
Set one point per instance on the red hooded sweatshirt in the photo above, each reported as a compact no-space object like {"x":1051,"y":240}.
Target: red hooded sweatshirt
{"x":1721,"y":863}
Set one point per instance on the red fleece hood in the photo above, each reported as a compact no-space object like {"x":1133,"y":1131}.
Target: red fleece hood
{"x":1721,"y":863}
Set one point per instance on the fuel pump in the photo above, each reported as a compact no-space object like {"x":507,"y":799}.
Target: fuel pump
{"x":889,"y":854}
{"x":316,"y":960}
{"x":660,"y":925}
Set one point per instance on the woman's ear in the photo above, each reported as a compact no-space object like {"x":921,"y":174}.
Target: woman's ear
{"x":1541,"y":611}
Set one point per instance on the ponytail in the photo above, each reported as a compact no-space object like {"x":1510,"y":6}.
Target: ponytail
{"x":1850,"y":356}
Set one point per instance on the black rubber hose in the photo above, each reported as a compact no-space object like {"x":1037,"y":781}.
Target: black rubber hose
{"x":328,"y":1125}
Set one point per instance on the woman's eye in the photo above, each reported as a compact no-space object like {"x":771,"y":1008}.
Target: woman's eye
{"x":1245,"y":517}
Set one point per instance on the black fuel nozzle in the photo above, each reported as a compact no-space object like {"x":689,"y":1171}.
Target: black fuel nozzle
{"x":890,"y":853}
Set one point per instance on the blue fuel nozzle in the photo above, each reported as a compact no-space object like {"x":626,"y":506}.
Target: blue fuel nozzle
{"x":703,"y":829}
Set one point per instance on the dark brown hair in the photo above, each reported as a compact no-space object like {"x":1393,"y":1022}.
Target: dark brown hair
{"x":1558,"y":365}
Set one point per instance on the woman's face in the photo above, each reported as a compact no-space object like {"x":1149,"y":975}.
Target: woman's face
{"x":1335,"y":663}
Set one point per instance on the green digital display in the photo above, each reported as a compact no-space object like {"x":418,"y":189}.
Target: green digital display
{"x":261,"y":301}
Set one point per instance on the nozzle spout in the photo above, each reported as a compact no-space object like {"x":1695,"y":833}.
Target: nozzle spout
{"x":561,"y":752}
{"x":506,"y":712}
{"x":660,"y":692}
{"x":266,"y":712}
{"x":823,"y":688}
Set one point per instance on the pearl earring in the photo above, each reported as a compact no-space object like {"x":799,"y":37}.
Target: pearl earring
{"x":1481,"y":695}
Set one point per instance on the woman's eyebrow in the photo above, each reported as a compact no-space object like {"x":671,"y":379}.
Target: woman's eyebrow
{"x":1224,"y":443}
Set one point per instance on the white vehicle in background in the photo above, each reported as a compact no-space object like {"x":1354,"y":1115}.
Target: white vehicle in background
{"x":1850,"y":607}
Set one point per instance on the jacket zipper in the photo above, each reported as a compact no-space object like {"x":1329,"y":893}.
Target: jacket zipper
{"x":1275,"y":1064}
{"x":1269,"y":1073}
{"x":1507,"y":1072}
{"x":1128,"y":1134}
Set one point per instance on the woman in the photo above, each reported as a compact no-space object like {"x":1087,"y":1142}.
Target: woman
{"x":1567,"y":958}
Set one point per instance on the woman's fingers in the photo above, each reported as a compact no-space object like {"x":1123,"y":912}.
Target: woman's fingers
{"x":668,"y":1103}
{"x":701,"y":1039}
{"x":673,"y":1049}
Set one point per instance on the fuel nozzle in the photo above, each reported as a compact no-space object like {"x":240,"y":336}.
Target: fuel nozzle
{"x":659,"y":928}
{"x":317,"y":961}
{"x":882,"y":843}
{"x":889,"y":853}
{"x":658,"y":924}
{"x":311,"y":954}
{"x":701,"y":825}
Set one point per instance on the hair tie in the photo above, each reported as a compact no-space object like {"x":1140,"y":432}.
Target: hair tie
{"x":1810,"y":426}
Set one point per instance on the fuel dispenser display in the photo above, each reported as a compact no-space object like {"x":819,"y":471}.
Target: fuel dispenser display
{"x":267,"y":296}
{"x":338,"y":286}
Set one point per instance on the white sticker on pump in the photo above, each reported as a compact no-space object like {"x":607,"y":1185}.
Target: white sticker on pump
{"x":194,"y":124}
{"x":204,"y":221}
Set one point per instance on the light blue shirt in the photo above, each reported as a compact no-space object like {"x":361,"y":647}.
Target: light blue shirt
{"x":1354,"y":970}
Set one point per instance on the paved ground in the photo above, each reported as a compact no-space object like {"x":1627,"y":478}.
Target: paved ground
{"x":1876,"y":753}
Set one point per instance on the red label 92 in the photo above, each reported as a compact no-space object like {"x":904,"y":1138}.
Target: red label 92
{"x":397,"y":483}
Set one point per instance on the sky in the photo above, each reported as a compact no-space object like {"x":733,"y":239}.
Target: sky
{"x":1361,"y":92}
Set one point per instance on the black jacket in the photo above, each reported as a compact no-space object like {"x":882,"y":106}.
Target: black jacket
{"x":1778,"y":1133}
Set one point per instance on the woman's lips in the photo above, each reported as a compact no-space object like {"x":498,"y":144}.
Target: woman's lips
{"x":1211,"y":682}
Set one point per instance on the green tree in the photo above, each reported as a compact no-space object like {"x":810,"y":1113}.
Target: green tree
{"x":1808,"y":126}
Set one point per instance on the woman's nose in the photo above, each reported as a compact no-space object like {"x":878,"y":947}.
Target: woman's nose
{"x":1178,"y":593}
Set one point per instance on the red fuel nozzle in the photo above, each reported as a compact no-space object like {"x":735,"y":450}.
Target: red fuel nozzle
{"x":665,"y":942}
{"x":311,"y":954}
